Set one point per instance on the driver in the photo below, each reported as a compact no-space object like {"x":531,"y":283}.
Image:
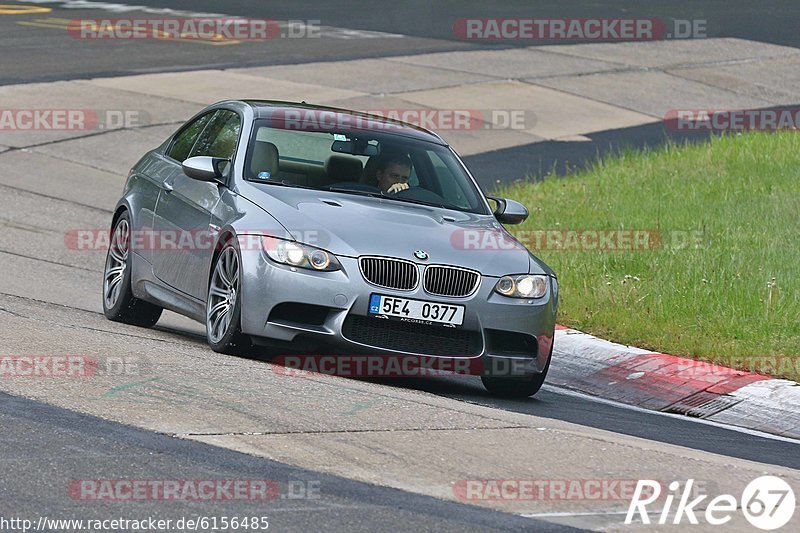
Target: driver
{"x":392,"y":171}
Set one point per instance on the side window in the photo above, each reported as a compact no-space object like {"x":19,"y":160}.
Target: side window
{"x":186,"y":139}
{"x":219,"y":138}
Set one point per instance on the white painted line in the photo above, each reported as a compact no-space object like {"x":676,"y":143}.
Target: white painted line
{"x":568,"y":392}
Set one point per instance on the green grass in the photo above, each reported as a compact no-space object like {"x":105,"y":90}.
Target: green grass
{"x":734,"y":295}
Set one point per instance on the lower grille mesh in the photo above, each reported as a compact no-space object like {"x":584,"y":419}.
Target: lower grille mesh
{"x":409,"y":337}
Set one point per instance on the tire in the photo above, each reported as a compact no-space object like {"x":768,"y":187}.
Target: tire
{"x":119,"y":304}
{"x":506,"y":387}
{"x":224,"y":302}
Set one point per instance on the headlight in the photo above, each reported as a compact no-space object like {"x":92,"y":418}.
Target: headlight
{"x":522,"y":286}
{"x":299,"y":255}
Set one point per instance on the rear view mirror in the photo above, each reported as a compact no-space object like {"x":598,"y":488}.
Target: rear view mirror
{"x":354,"y":147}
{"x":204,"y":168}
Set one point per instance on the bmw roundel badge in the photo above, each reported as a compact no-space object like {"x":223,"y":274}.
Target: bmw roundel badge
{"x":421,"y":255}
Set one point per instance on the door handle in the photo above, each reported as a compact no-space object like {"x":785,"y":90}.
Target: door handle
{"x":167,"y":186}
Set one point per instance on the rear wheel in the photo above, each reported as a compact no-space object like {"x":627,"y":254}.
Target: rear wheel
{"x":508,"y":387}
{"x":224,"y":303}
{"x":119,"y":304}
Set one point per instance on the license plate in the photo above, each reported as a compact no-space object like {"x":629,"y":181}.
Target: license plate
{"x":416,"y":310}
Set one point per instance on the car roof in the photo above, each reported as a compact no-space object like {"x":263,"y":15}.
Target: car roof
{"x":267,"y":109}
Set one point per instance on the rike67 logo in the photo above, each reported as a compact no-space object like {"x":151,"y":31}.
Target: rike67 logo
{"x":768,"y":503}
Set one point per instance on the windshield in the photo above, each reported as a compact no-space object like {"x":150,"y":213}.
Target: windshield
{"x":365,"y":163}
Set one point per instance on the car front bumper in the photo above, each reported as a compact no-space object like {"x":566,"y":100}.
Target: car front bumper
{"x":283,"y":303}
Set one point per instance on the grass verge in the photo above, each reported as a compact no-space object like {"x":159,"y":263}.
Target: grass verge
{"x":719,"y":276}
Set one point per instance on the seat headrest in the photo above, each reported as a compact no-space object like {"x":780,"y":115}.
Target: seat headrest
{"x":370,"y":169}
{"x":343,"y":168}
{"x":265,"y":158}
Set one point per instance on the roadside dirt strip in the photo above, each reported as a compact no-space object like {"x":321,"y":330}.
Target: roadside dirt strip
{"x":676,"y":384}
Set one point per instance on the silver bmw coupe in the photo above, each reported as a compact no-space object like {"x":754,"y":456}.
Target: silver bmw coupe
{"x":284,"y":224}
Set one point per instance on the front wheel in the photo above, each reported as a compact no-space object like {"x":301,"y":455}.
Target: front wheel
{"x":119,"y":304}
{"x":224,"y":303}
{"x":508,"y":387}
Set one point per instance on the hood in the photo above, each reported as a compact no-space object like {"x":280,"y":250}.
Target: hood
{"x":352,"y":226}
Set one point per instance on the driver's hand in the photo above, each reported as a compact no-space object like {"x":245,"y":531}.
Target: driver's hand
{"x":397,"y":187}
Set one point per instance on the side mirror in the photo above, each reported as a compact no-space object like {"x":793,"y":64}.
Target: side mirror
{"x":509,"y":211}
{"x":204,"y":168}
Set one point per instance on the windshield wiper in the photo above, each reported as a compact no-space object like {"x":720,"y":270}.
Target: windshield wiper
{"x":283,"y":184}
{"x":354,"y":191}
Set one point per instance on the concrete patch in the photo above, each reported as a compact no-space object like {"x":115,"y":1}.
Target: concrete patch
{"x":669,"y":53}
{"x":440,"y":464}
{"x":114,"y":151}
{"x":182,"y":387}
{"x":468,"y":142}
{"x":512,"y":63}
{"x":209,"y":86}
{"x":374,"y":76}
{"x":97,"y":102}
{"x":651,"y":93}
{"x":555,"y":113}
{"x":775,"y":80}
{"x":69,"y":180}
{"x":37,"y":260}
{"x":55,"y":283}
{"x":379,"y":104}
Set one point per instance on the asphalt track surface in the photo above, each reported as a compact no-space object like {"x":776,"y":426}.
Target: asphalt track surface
{"x":37,"y":48}
{"x":44,"y":446}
